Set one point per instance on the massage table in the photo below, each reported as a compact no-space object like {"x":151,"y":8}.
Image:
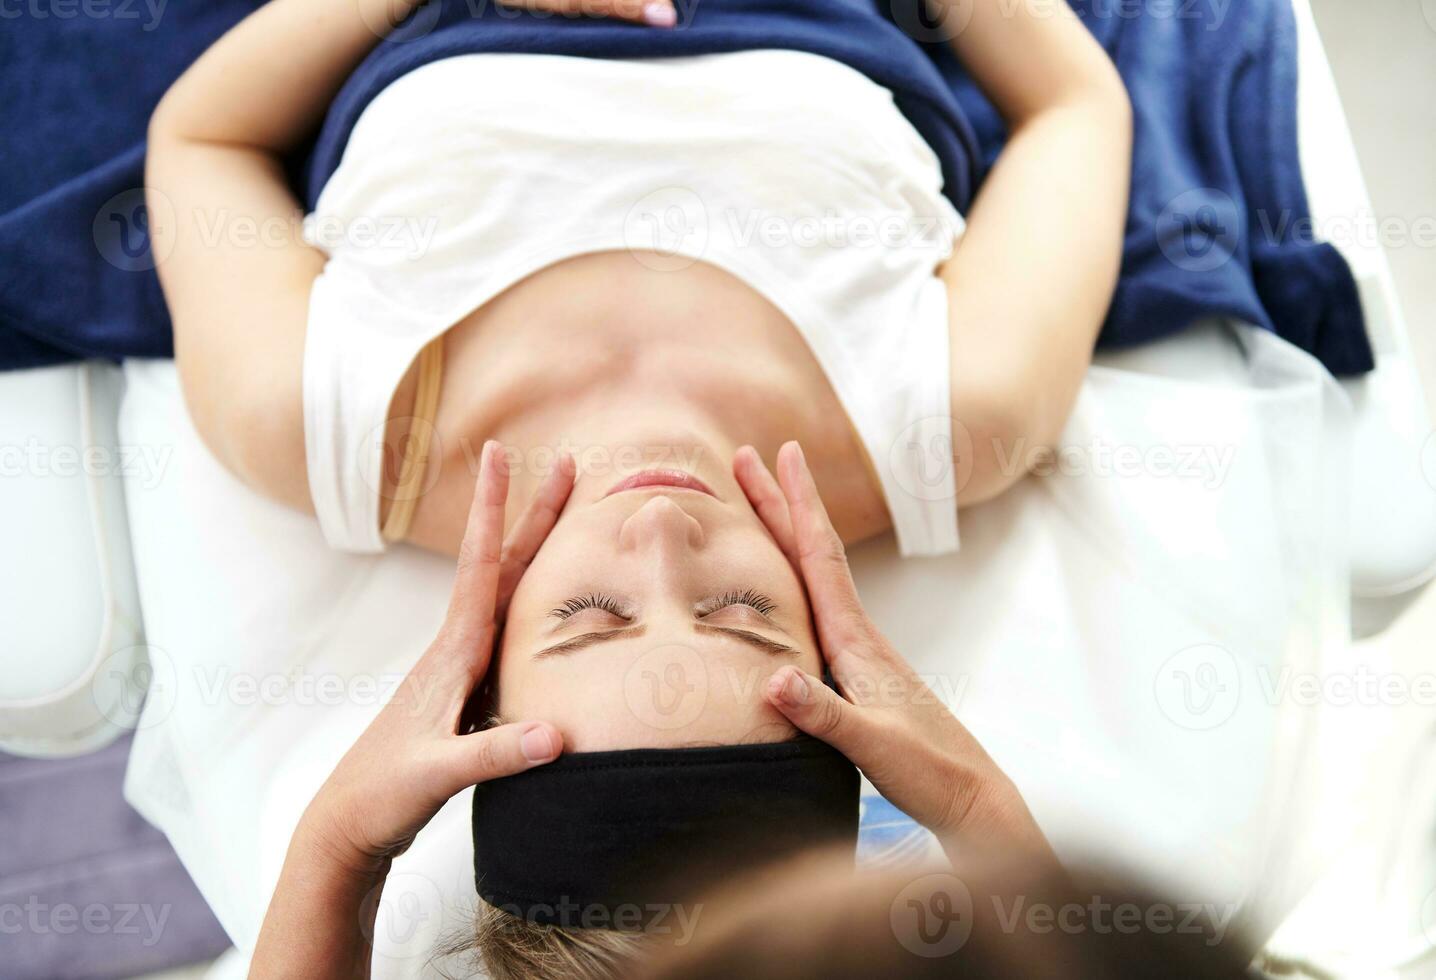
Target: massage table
{"x":1121,"y":631}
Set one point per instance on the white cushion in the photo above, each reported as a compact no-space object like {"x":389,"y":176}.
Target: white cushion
{"x":69,"y":614}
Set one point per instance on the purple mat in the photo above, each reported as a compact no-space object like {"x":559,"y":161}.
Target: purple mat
{"x":88,"y":889}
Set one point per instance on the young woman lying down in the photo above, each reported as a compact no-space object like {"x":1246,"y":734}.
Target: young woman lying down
{"x":540,"y":306}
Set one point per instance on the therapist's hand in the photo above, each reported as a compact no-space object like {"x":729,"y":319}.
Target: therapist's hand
{"x":887,"y":720}
{"x":654,"y":13}
{"x":415,"y":755}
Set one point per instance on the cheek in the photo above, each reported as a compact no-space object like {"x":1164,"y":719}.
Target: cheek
{"x":531,"y":691}
{"x":583,"y":699}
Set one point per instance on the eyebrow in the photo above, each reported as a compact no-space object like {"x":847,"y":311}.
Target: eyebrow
{"x":586,"y":640}
{"x":748,"y":637}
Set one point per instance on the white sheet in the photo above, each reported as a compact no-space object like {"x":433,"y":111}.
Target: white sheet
{"x":1064,"y":631}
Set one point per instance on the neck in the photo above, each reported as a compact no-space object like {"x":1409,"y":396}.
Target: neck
{"x":627,"y":369}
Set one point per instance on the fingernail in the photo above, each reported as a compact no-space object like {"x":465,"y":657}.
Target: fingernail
{"x":790,"y":460}
{"x":659,"y":15}
{"x":795,"y":689}
{"x":537,"y":745}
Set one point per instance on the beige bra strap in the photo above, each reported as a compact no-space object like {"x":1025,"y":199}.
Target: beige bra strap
{"x":416,"y":453}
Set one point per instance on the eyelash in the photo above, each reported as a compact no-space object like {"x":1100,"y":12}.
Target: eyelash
{"x":593,"y":600}
{"x":755,"y":600}
{"x":751,"y":598}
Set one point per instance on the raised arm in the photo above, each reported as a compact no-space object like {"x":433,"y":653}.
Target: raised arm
{"x":1030,"y":284}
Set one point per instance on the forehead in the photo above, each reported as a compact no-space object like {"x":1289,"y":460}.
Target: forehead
{"x":650,"y":691}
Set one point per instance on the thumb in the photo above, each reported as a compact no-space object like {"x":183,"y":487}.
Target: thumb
{"x":818,"y":710}
{"x":502,"y":751}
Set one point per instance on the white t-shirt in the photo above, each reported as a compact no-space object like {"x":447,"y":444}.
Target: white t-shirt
{"x":792,"y":172}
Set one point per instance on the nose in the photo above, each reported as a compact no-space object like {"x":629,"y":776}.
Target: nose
{"x":660,"y":526}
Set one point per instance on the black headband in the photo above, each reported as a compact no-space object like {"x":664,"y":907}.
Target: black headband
{"x":614,"y":839}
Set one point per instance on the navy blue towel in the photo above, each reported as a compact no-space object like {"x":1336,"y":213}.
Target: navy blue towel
{"x":1218,"y":200}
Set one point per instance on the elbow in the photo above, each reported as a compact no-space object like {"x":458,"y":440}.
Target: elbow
{"x":164,"y":124}
{"x":1099,"y":96}
{"x":1118,"y":104}
{"x":256,"y":431}
{"x":1106,"y":96}
{"x":261,"y":441}
{"x":1000,"y":433}
{"x":990,"y":451}
{"x":178,"y":117}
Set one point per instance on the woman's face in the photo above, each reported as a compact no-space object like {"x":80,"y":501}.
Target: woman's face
{"x":652,"y":617}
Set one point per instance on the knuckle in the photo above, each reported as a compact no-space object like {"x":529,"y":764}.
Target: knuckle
{"x":512,"y":564}
{"x":486,"y":754}
{"x":468,"y":555}
{"x":830,"y":549}
{"x":476,"y":552}
{"x":547,"y":514}
{"x":829,"y":718}
{"x":825,"y":545}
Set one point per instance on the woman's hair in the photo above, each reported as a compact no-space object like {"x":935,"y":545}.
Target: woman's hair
{"x":511,"y":948}
{"x":813,"y":919}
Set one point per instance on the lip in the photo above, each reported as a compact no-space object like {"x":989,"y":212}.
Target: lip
{"x":667,"y":479}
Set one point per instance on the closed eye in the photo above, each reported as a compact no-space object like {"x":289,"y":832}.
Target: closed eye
{"x":592,"y":600}
{"x":754,"y":600}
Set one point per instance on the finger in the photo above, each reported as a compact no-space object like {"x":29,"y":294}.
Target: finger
{"x":533,"y":528}
{"x":766,"y":496}
{"x":498,"y":752}
{"x":838,"y":612}
{"x":818,"y":710}
{"x":472,"y":606}
{"x":654,"y":13}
